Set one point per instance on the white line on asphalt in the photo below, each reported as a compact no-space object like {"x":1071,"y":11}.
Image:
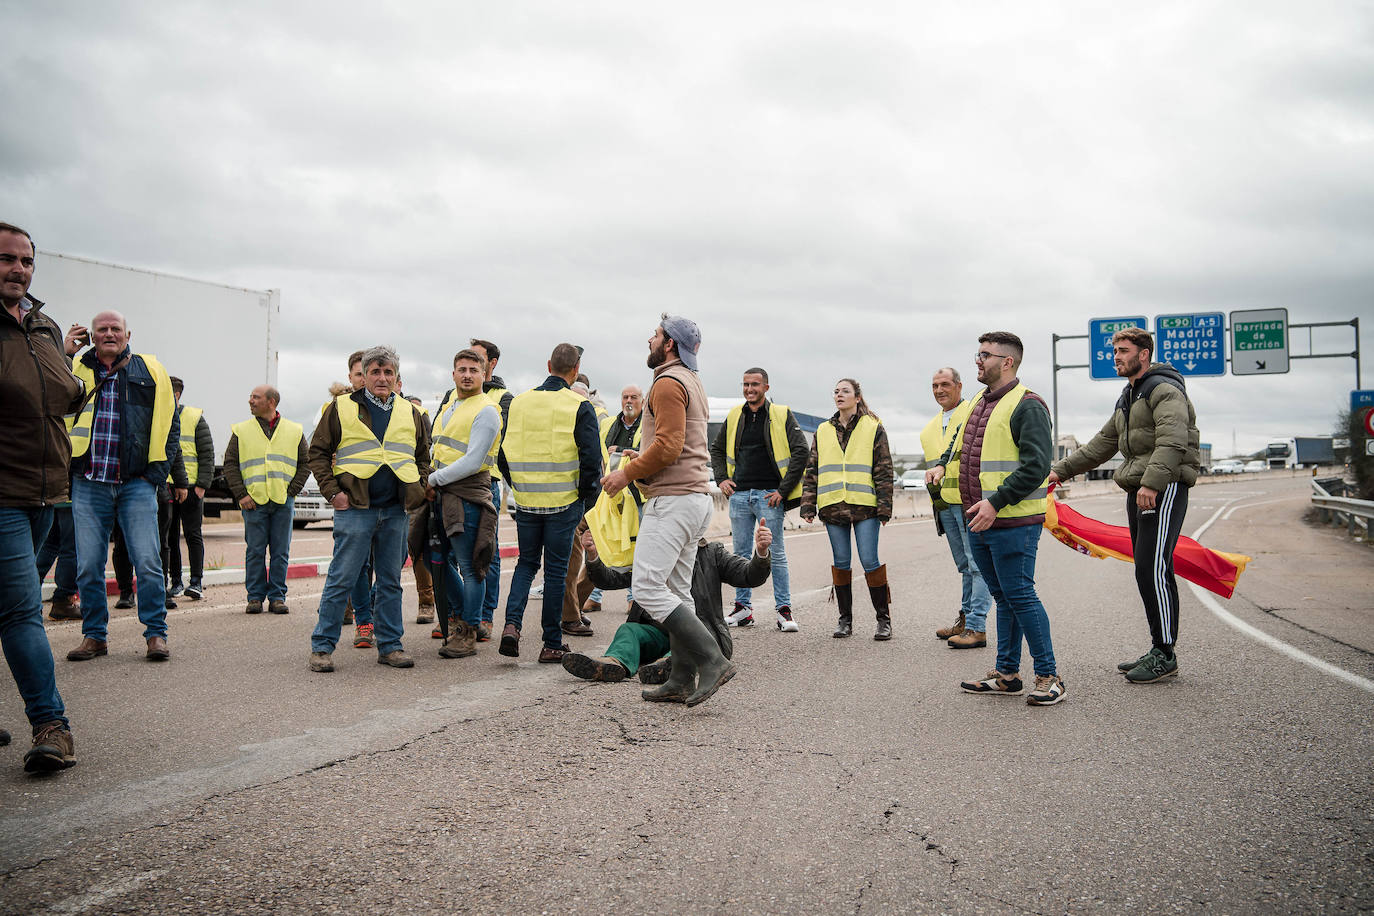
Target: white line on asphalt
{"x":1263,"y":502}
{"x":1264,"y":638}
{"x":80,"y":903}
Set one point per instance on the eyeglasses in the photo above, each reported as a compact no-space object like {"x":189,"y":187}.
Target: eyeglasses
{"x":984,"y":356}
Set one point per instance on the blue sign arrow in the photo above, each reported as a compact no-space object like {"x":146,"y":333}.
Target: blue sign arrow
{"x":1100,"y":330}
{"x":1194,"y":344}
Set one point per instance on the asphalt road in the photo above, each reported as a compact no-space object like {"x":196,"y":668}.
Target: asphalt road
{"x":829,"y":776}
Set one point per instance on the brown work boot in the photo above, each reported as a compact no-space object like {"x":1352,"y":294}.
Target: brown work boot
{"x":583,"y":627}
{"x":591,"y":607}
{"x":969,"y":639}
{"x":53,"y":749}
{"x":953,"y":629}
{"x":277,"y":606}
{"x":254,"y":607}
{"x":68,"y":608}
{"x":483,"y":631}
{"x":157,"y":649}
{"x":461,"y":642}
{"x":396,"y":659}
{"x":348,"y":612}
{"x":88,"y":650}
{"x":599,"y":668}
{"x":426,"y":595}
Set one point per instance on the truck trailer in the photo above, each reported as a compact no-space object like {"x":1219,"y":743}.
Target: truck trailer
{"x":1300,"y":452}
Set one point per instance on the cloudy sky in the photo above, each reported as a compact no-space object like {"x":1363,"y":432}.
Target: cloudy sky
{"x":828,"y":191}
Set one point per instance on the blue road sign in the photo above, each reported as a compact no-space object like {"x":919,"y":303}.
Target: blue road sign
{"x":1100,"y":331}
{"x":1194,"y":343}
{"x":1359,"y":400}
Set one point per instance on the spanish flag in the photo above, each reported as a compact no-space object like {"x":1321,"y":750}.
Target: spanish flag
{"x":1214,"y":570}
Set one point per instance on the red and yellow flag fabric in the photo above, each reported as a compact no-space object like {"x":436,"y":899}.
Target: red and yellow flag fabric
{"x":1215,"y":570}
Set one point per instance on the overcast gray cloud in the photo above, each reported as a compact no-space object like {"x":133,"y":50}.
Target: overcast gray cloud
{"x":826,"y":191}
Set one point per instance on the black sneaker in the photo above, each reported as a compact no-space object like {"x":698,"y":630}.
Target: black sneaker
{"x":126,"y":601}
{"x":995,"y":683}
{"x":175,"y":589}
{"x":1123,"y":667}
{"x":194,"y":591}
{"x":1153,"y":667}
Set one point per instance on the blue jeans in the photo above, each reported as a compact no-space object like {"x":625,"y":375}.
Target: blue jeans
{"x":95,"y":506}
{"x":60,"y":546}
{"x":493,"y":594}
{"x":267,"y":528}
{"x":549,"y":536}
{"x":1006,"y":557}
{"x":865,"y":535}
{"x":976,"y":598}
{"x":21,"y":614}
{"x":361,"y":594}
{"x":466,"y":591}
{"x":746,"y":508}
{"x":358,"y":532}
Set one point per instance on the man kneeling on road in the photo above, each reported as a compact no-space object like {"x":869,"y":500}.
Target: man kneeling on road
{"x":369,"y":455}
{"x":640,"y":645}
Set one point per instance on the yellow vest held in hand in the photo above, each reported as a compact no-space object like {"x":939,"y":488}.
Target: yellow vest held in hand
{"x":164,"y":409}
{"x":268,"y":465}
{"x":361,"y":453}
{"x":540,"y":450}
{"x":777,"y":436}
{"x":190,"y":416}
{"x":614,"y":524}
{"x":846,"y":476}
{"x":451,"y":439}
{"x":1000,"y":457}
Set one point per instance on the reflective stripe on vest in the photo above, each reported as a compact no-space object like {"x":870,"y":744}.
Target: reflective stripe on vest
{"x":541,"y":452}
{"x":777,"y":436}
{"x":451,"y":439}
{"x":268,"y":465}
{"x":190,"y":416}
{"x":361,"y":453}
{"x":1000,"y":457}
{"x":935,"y":441}
{"x":846,"y":476}
{"x":164,"y":408}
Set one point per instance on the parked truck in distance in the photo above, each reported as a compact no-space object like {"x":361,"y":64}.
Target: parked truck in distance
{"x":1300,"y":452}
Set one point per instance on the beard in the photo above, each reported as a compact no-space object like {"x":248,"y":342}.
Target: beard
{"x":658,"y":355}
{"x":1129,"y":368}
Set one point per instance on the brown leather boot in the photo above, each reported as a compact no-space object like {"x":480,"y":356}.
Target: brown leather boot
{"x":840,"y":581}
{"x":953,"y":629}
{"x":969,"y":639}
{"x":88,"y":650}
{"x":68,"y":608}
{"x":461,"y":642}
{"x":881,"y":597}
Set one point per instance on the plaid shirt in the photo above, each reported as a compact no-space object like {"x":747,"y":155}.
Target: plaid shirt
{"x":104,"y":451}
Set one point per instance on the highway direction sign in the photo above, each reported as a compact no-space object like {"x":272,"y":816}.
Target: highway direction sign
{"x":1259,"y":342}
{"x":1361,"y":399}
{"x":1194,"y":343}
{"x":1100,"y":331}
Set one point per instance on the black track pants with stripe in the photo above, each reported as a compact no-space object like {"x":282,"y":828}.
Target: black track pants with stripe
{"x":1154,"y":535}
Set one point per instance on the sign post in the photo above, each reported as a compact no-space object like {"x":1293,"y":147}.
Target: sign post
{"x":1100,"y":330}
{"x":1259,"y":342}
{"x":1195,"y":344}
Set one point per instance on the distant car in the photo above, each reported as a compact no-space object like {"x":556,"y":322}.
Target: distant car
{"x":1256,"y":465}
{"x":1227,"y":466}
{"x":912,"y":480}
{"x":311,"y":506}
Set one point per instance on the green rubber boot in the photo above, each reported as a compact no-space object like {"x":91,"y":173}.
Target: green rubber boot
{"x":682,"y":679}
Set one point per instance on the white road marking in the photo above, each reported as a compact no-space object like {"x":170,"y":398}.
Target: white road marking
{"x":80,"y":903}
{"x":1264,"y":638}
{"x":1263,"y":502}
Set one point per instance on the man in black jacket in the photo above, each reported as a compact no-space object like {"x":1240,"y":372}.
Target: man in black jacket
{"x":641,"y":644}
{"x":36,"y":390}
{"x":758,"y":458}
{"x":198,"y":458}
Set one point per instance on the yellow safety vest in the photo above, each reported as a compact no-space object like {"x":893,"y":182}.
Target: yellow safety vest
{"x":268,"y":465}
{"x":635,"y":440}
{"x":451,"y":439}
{"x":164,"y":409}
{"x":541,"y":452}
{"x":1000,"y":457}
{"x":190,"y":416}
{"x":361,"y":453}
{"x":777,"y":434}
{"x":934,"y":441}
{"x":614,"y":524}
{"x":846,"y":476}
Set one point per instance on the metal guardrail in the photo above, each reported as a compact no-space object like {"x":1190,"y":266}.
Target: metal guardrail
{"x":1354,"y":514}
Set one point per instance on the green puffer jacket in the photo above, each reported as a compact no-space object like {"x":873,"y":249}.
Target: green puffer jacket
{"x":1155,"y":429}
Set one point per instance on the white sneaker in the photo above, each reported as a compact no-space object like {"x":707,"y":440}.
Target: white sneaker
{"x":785,"y":621}
{"x":537,"y":590}
{"x":741,"y":616}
